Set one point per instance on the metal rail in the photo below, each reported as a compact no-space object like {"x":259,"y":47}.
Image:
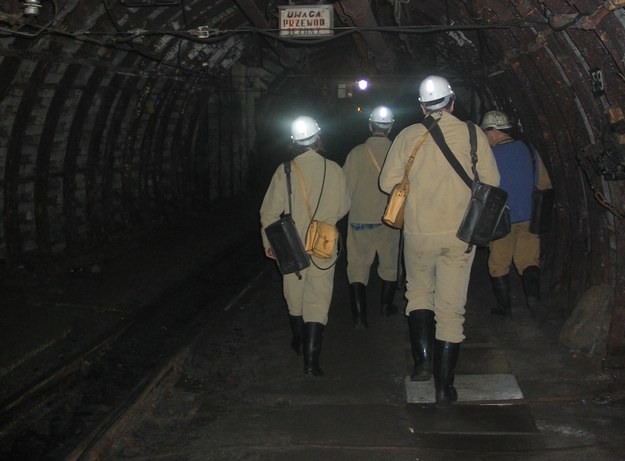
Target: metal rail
{"x":87,"y":398}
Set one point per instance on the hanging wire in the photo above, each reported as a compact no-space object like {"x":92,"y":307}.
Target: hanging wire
{"x":124,"y":39}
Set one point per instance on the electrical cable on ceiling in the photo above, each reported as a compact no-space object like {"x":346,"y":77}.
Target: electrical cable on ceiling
{"x":205,"y":33}
{"x":124,"y":40}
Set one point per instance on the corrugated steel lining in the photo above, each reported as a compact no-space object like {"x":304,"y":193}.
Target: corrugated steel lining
{"x":121,"y":121}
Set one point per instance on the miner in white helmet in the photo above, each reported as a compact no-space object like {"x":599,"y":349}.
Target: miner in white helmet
{"x":367,"y":236}
{"x":437,"y":264}
{"x":522,"y":170}
{"x":321,"y":183}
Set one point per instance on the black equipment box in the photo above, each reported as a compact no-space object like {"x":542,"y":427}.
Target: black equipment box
{"x":482,"y":215}
{"x":542,"y":211}
{"x":287,"y":246}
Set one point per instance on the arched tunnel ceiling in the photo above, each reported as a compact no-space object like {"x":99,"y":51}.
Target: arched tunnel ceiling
{"x":116,"y":112}
{"x":196,"y":38}
{"x":391,"y":40}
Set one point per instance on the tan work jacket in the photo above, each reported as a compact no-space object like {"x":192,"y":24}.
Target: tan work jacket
{"x":334,"y":202}
{"x":438,"y":197}
{"x":368,"y":201}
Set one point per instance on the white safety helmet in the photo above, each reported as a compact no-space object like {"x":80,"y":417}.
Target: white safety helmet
{"x":495,"y":119}
{"x":304,"y":131}
{"x":435,"y":92}
{"x":382,"y":116}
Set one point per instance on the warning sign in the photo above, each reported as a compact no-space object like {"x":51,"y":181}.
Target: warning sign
{"x":306,"y":21}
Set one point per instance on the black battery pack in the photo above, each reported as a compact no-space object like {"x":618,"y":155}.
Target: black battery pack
{"x":542,"y":211}
{"x":287,"y":246}
{"x":482,"y":215}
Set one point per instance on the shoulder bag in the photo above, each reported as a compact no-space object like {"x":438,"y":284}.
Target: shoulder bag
{"x":542,"y":210}
{"x":487,"y":216}
{"x":542,"y":201}
{"x":321,"y":238}
{"x":394,"y":212}
{"x":284,"y":240}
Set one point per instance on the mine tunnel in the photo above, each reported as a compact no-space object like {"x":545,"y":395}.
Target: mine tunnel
{"x":122,"y":119}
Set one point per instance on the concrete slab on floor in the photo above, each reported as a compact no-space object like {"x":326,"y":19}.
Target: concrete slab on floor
{"x":471,"y":388}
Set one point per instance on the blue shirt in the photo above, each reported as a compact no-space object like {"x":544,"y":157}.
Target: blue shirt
{"x":518,"y":177}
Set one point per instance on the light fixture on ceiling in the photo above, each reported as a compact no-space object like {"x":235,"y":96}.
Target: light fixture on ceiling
{"x":32,"y":7}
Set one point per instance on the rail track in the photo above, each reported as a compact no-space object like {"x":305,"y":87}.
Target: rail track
{"x":62,"y":415}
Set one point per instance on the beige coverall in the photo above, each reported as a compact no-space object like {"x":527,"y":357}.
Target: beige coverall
{"x":309,"y":297}
{"x":366,"y":235}
{"x":437,"y":267}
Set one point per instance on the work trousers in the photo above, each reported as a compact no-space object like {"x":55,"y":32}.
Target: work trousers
{"x":437,"y":276}
{"x":519,"y":247}
{"x":362,"y":245}
{"x":310,"y":297}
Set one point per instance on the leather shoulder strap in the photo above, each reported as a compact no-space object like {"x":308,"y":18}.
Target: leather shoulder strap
{"x":473,"y":144}
{"x":287,"y":172}
{"x":439,"y":138}
{"x":532,"y":152}
{"x":431,"y":123}
{"x":302,"y":185}
{"x":373,"y":159}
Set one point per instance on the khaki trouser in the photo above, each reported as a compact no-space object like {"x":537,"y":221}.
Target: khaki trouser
{"x":310,"y":297}
{"x":362,"y":246}
{"x":437,"y":275}
{"x":519,"y":247}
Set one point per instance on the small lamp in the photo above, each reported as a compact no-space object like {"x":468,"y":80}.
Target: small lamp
{"x":32,"y":7}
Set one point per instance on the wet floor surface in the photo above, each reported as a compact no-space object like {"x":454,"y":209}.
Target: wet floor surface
{"x":240,"y":392}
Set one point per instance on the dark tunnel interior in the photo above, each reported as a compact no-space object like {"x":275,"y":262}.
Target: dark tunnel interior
{"x":118,"y":114}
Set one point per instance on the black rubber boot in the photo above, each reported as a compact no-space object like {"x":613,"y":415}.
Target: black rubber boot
{"x":445,"y":358}
{"x":387,"y":308}
{"x":313,"y":333}
{"x":421,"y":327}
{"x":531,"y":286}
{"x":501,"y":287}
{"x":297,"y":328}
{"x":358,"y":292}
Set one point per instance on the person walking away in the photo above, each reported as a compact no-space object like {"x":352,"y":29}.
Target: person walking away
{"x":438,"y":265}
{"x":521,"y":170}
{"x":366,"y":234}
{"x":321,"y":182}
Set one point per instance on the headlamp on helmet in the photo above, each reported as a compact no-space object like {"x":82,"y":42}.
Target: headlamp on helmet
{"x":495,"y":119}
{"x":435,"y":92}
{"x":382,"y":116}
{"x":304,"y":131}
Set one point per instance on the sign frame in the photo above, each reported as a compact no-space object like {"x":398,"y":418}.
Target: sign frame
{"x":304,"y":21}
